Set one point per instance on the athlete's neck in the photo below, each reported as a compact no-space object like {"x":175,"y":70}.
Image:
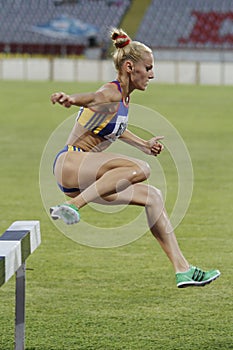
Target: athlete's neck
{"x":126,"y":91}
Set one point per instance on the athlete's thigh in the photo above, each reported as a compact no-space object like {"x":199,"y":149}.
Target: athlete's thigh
{"x":83,"y":168}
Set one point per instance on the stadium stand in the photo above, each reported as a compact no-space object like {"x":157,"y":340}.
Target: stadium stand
{"x":188,"y":24}
{"x":19,"y":19}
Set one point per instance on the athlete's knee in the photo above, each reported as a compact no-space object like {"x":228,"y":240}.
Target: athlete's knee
{"x":142,"y":171}
{"x":146,"y":170}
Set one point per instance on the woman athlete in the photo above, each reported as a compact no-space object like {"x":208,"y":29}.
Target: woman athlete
{"x":85,"y":173}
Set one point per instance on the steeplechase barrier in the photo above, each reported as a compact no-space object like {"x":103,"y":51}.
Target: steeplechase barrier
{"x":16,"y":244}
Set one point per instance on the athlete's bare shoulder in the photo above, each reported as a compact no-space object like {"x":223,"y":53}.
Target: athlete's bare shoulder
{"x":110,"y":92}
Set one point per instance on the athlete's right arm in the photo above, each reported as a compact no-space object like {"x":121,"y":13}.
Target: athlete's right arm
{"x":106,"y":94}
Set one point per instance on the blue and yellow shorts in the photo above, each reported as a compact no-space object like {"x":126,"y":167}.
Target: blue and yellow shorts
{"x":67,"y":148}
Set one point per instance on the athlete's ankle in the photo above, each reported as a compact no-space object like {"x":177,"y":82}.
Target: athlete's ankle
{"x":182,"y":268}
{"x":73,"y":205}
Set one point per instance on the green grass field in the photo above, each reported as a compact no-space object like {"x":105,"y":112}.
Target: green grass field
{"x":79,"y":297}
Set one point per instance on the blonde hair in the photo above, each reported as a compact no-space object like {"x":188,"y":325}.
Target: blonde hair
{"x":126,"y":48}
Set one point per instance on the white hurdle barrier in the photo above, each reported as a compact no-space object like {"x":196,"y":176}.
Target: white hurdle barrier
{"x":16,"y":244}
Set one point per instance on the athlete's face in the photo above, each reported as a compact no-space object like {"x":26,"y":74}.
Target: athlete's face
{"x":142,"y":72}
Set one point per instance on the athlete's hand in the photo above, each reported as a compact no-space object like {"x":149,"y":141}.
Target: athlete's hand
{"x":154,"y":146}
{"x":63,"y":99}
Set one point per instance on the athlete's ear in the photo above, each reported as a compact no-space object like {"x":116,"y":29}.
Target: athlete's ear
{"x":129,"y":66}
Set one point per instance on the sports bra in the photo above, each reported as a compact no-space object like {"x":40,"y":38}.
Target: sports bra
{"x":107,"y":125}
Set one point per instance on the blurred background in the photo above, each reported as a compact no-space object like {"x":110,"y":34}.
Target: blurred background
{"x":192,"y":40}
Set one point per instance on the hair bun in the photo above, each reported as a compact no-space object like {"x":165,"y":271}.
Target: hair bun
{"x":120,"y":38}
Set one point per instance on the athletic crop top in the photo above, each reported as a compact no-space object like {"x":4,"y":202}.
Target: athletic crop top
{"x":107,"y":125}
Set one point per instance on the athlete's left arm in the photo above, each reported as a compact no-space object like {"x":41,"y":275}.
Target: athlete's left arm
{"x":152,"y":146}
{"x":102,"y":97}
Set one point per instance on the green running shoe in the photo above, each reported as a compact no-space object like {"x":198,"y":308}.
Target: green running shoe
{"x":196,"y":277}
{"x":67,"y":212}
